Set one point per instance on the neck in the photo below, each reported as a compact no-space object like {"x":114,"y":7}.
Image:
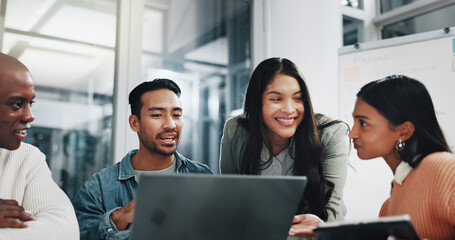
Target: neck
{"x":145,"y":160}
{"x":279,"y":146}
{"x":393,"y":160}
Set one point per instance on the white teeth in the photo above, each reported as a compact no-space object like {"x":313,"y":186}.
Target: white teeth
{"x":168,"y":138}
{"x":22,"y":131}
{"x":285,"y":120}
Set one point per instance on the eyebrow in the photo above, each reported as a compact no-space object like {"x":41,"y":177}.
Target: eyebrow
{"x":15,"y":98}
{"x":162,"y":109}
{"x":275,"y":92}
{"x":359,"y":116}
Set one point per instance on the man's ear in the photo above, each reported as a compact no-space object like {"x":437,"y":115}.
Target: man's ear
{"x":406,"y":130}
{"x":134,"y":123}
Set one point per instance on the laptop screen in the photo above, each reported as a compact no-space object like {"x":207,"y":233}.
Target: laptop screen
{"x":191,"y":206}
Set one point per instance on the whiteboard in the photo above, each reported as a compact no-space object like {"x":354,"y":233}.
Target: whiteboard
{"x":427,"y":57}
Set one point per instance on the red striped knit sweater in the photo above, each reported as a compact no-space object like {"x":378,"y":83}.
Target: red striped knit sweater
{"x":428,"y":196}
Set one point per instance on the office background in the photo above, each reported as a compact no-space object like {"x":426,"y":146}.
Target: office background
{"x":86,"y":55}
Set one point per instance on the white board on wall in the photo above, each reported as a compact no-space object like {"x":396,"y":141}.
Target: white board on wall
{"x":428,"y":57}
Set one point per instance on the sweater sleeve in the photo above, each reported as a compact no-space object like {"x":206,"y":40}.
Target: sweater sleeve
{"x":451,"y":209}
{"x":334,"y":162}
{"x":54,"y":215}
{"x":384,"y":208}
{"x":446,"y":187}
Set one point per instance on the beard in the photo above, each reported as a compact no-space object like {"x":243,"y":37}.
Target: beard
{"x":154,"y":147}
{"x":164,"y":151}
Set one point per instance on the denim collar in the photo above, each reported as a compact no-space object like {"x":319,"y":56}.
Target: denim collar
{"x":126,"y":170}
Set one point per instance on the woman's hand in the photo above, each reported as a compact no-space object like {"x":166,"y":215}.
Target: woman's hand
{"x":304,"y":224}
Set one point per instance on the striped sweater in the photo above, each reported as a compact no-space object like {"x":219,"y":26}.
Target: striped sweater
{"x":25,"y":177}
{"x":427,"y":194}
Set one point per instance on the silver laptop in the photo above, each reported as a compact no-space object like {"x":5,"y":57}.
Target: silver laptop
{"x":222,"y":207}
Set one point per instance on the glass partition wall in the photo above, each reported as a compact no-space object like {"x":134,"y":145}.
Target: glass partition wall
{"x":69,"y":47}
{"x":203,"y":45}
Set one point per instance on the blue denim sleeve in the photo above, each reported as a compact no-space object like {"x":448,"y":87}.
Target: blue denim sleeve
{"x":110,"y":231}
{"x":94,"y":221}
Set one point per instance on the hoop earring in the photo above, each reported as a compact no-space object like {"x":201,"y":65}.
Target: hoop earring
{"x":400,"y":145}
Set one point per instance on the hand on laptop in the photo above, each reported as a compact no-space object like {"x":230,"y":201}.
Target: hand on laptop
{"x":304,"y":224}
{"x":391,"y":237}
{"x":124,"y":215}
{"x":12,"y":215}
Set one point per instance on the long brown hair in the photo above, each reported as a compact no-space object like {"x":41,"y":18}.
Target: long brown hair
{"x":305,"y":146}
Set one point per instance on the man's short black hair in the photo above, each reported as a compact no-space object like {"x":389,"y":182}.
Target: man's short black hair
{"x":139,"y":90}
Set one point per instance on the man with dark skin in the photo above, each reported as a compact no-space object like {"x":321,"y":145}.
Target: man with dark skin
{"x":32,"y":206}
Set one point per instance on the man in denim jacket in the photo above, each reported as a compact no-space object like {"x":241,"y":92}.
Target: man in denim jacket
{"x":105,"y":203}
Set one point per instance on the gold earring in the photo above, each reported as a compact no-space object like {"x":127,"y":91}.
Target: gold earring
{"x":400,"y":145}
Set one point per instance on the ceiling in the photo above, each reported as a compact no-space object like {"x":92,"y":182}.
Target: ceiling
{"x":70,"y":44}
{"x":65,"y":44}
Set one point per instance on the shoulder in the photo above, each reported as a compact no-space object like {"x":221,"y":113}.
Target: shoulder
{"x":103,"y":181}
{"x":331,"y":126}
{"x":29,"y":149}
{"x":106,"y":175}
{"x":234,"y":129}
{"x":25,"y":155}
{"x":438,"y":170}
{"x":111,"y":171}
{"x":440,"y":163}
{"x":233,"y":124}
{"x":331,"y":130}
{"x":120,"y":170}
{"x":334,"y":138}
{"x":25,"y":150}
{"x":441,"y":156}
{"x":192,"y":166}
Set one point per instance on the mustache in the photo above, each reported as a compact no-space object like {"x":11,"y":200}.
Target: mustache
{"x":168,"y":131}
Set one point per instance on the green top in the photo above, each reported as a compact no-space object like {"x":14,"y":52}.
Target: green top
{"x":335,"y":149}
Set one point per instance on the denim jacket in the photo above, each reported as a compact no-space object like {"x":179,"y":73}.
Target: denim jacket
{"x":111,"y":189}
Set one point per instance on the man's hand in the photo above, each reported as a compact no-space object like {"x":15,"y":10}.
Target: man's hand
{"x":12,"y":215}
{"x":124,"y":215}
{"x":304,"y":224}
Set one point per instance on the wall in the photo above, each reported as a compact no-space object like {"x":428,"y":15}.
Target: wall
{"x":308,"y":33}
